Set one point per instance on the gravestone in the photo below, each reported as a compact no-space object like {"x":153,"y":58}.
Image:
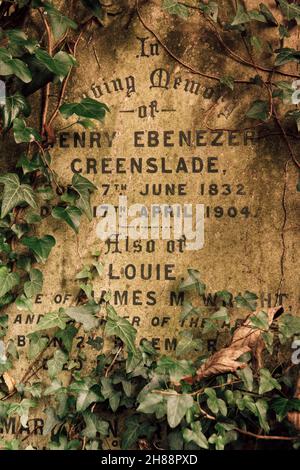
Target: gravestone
{"x":172,"y":137}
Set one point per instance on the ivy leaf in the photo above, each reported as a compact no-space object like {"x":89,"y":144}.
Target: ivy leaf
{"x":51,"y":420}
{"x":15,"y":193}
{"x":85,"y":394}
{"x":95,"y":7}
{"x":108,"y":392}
{"x":55,"y":365}
{"x":187,"y":310}
{"x":22,"y":409}
{"x":288,"y":327}
{"x":174,"y":368}
{"x":13,"y":66}
{"x":35,"y":285}
{"x":259,"y":110}
{"x":64,"y":444}
{"x":153,"y":403}
{"x":56,"y":319}
{"x":37,"y":343}
{"x":85,"y":315}
{"x":241,"y":16}
{"x":22,"y":133}
{"x":135,"y":429}
{"x":193,"y":281}
{"x":41,"y":247}
{"x":8,"y":280}
{"x":83,"y":187}
{"x":120,"y":327}
{"x":14,"y":105}
{"x":18,"y":41}
{"x":59,"y":22}
{"x":247,"y":377}
{"x":248,"y":301}
{"x":66,"y":336}
{"x":175,"y":8}
{"x":59,"y":65}
{"x":261,"y":410}
{"x":228,"y":81}
{"x":187,"y":344}
{"x":260,"y":320}
{"x":87,"y":108}
{"x":290,"y":10}
{"x":282,"y":406}
{"x":210,"y":9}
{"x":267,"y":382}
{"x":71,"y":215}
{"x":285,"y":55}
{"x":195,"y":436}
{"x":221,"y":315}
{"x":94,"y":425}
{"x":268,"y":14}
{"x":177,"y":406}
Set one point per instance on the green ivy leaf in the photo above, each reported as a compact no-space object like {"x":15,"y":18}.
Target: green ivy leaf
{"x":22,"y":133}
{"x":120,"y":327}
{"x":282,"y":406}
{"x":177,"y":406}
{"x":248,"y":301}
{"x":59,"y":65}
{"x":55,"y":365}
{"x":193,"y":281}
{"x":22,"y":409}
{"x":15,"y":193}
{"x":71,"y":215}
{"x":260,"y":320}
{"x":85,"y":394}
{"x":153,"y":403}
{"x":187,"y":344}
{"x":290,"y":10}
{"x":195,"y":436}
{"x":267,"y":382}
{"x":262,"y":410}
{"x":175,"y":8}
{"x":85,"y":314}
{"x":56,"y":319}
{"x":41,"y":247}
{"x":13,"y":66}
{"x":8,"y":280}
{"x":14,"y":105}
{"x":66,"y":336}
{"x":174,"y":368}
{"x":94,"y":425}
{"x":134,"y":429}
{"x":18,"y":41}
{"x":285,"y":55}
{"x":259,"y":110}
{"x":210,"y":9}
{"x":268,"y":14}
{"x":37,"y":343}
{"x":228,"y":81}
{"x":59,"y":22}
{"x":87,"y":108}
{"x":83,"y":187}
{"x":247,"y":377}
{"x":35,"y":285}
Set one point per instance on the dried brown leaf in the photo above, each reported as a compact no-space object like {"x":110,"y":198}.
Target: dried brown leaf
{"x":246,"y":338}
{"x":9,"y":382}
